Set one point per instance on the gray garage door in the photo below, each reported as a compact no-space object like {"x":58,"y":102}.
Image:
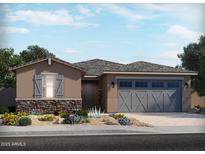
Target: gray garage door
{"x":149,"y":95}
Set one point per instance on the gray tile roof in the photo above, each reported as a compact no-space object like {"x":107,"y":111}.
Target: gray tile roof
{"x":98,"y":66}
{"x":142,"y":66}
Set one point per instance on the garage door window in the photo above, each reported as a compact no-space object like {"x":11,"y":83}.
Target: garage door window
{"x":157,"y":84}
{"x":173,"y":84}
{"x":125,"y":84}
{"x":141,"y":84}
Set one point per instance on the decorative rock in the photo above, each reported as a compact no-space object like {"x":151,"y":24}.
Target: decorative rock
{"x":58,"y":121}
{"x":109,"y":120}
{"x":135,"y":122}
{"x":48,"y":106}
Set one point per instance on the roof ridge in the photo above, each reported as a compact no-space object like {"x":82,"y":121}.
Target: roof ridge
{"x":152,"y":64}
{"x":97,"y":59}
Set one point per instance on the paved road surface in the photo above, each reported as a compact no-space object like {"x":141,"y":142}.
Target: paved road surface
{"x":109,"y":142}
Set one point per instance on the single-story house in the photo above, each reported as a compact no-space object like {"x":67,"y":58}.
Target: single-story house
{"x":49,"y":85}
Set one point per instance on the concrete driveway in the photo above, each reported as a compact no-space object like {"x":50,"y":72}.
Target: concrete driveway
{"x":170,"y":119}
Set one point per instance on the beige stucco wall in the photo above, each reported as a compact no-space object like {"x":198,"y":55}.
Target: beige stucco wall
{"x":25,"y":75}
{"x":111,"y":94}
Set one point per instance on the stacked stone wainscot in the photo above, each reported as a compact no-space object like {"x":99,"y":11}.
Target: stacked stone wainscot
{"x":48,"y":106}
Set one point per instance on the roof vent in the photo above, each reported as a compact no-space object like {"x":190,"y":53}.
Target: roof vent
{"x":49,"y":61}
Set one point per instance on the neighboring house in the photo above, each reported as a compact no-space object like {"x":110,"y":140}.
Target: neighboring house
{"x":51,"y":84}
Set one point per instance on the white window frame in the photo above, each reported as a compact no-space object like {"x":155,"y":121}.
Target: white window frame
{"x":43,"y":86}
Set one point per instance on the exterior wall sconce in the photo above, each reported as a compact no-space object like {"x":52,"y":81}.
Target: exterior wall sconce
{"x":113,"y":84}
{"x":186,"y":85}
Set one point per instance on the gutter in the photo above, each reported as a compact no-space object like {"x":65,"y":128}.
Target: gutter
{"x":154,"y":73}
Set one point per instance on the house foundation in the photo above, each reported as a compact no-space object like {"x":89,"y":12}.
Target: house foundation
{"x":48,"y":106}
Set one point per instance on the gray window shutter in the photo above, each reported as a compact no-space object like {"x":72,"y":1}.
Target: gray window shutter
{"x":38,"y":86}
{"x":60,"y":86}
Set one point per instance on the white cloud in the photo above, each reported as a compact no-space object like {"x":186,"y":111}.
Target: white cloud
{"x":169,"y":58}
{"x":85,"y":11}
{"x":4,"y":8}
{"x":122,"y":11}
{"x":183,"y":32}
{"x":13,"y":30}
{"x":57,"y":17}
{"x":178,"y":10}
{"x":71,"y":51}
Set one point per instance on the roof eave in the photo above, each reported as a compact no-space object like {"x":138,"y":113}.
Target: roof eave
{"x":53,"y":59}
{"x":155,"y":73}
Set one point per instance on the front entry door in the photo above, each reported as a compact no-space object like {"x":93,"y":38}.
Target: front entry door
{"x":90,"y":94}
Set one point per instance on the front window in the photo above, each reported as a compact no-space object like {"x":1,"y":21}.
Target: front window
{"x":48,"y":85}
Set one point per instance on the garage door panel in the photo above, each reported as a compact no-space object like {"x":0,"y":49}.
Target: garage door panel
{"x":156,"y":99}
{"x":125,"y":100}
{"x":140,"y":100}
{"x":171,"y":101}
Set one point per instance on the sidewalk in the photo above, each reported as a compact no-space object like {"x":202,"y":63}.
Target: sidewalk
{"x":88,"y":130}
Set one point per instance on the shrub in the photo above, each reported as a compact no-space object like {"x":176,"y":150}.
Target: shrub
{"x":198,"y":107}
{"x":72,"y":119}
{"x":12,"y":109}
{"x":3,"y":109}
{"x":64,"y":114}
{"x":118,"y":116}
{"x":56,"y":113}
{"x":82,"y":112}
{"x":21,"y":114}
{"x":24,"y":121}
{"x":46,"y":118}
{"x":84,"y":119}
{"x":123,"y":121}
{"x":10,"y":119}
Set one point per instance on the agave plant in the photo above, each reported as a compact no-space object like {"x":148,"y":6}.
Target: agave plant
{"x":94,"y":112}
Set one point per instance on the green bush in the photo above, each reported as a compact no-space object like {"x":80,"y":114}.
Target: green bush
{"x":3,"y":109}
{"x":21,"y":114}
{"x":46,"y":118}
{"x":24,"y":121}
{"x":64,"y":114}
{"x":118,"y":116}
{"x":82,"y":112}
{"x":10,"y":119}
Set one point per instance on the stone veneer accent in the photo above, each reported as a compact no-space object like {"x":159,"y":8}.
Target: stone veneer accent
{"x":48,"y":106}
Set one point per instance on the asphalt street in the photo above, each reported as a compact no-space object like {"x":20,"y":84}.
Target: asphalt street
{"x":132,"y":142}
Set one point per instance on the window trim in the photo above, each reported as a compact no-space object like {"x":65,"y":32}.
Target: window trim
{"x":43,"y":75}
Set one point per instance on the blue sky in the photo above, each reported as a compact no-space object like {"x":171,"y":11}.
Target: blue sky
{"x":118,"y":32}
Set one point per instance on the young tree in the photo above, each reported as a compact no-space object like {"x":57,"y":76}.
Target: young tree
{"x":7,"y":60}
{"x":193,"y":58}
